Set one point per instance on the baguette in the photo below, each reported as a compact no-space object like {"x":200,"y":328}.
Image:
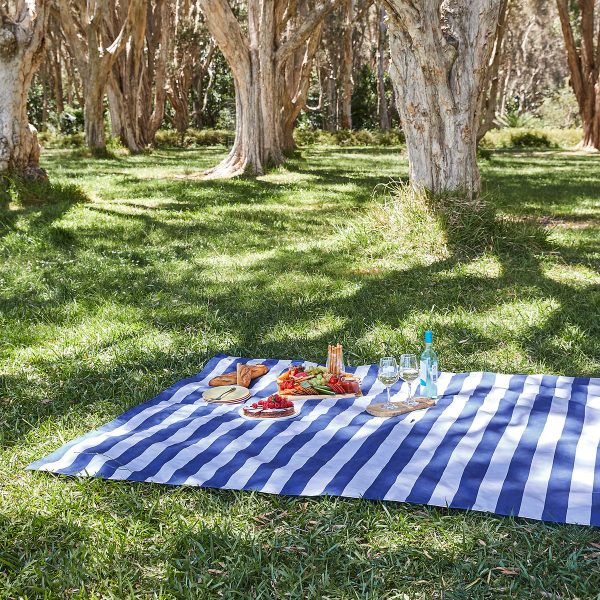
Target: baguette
{"x":244,"y":375}
{"x":232,"y":378}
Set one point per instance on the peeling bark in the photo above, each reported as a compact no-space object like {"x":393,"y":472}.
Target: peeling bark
{"x":22,"y":30}
{"x":347,"y":59}
{"x":440,"y":52}
{"x":493,"y":78}
{"x":258,"y":58}
{"x":137,"y":84}
{"x":584,"y":65}
{"x":96,"y":38}
{"x":384,"y":115}
{"x":190,"y":57}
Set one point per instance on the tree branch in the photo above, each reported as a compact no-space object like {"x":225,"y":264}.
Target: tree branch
{"x":72,"y":29}
{"x":303,"y":32}
{"x":228,"y":34}
{"x":135,"y":12}
{"x":573,"y":57}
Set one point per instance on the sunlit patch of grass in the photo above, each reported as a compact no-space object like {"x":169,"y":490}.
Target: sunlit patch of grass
{"x":106,"y":302}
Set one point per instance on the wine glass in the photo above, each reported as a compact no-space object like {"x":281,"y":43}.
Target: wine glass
{"x":409,"y":371}
{"x":388,"y":375}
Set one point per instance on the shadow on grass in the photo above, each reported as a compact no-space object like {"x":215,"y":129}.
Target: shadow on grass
{"x":40,"y":202}
{"x":158,"y":266}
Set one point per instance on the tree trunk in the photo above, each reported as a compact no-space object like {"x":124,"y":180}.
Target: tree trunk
{"x":93,"y":115}
{"x":57,"y":78}
{"x":258,"y":60}
{"x":88,"y":27}
{"x":136,"y":87}
{"x":490,"y":105}
{"x":440,"y":52}
{"x":258,"y":143}
{"x":296,"y":84}
{"x":21,"y":45}
{"x":584,"y":64}
{"x":346,"y":82}
{"x":384,"y":116}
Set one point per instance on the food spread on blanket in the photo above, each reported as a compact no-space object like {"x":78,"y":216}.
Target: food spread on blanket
{"x":300,"y":380}
{"x":273,"y":407}
{"x":243,"y":375}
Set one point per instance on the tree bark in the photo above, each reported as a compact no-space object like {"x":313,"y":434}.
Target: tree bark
{"x":137,"y":84}
{"x":296,"y":82}
{"x":346,"y":81}
{"x":257,"y":59}
{"x":384,"y":116}
{"x":440,"y":52}
{"x":584,"y":66}
{"x":88,"y":29}
{"x":201,"y":88}
{"x":22,"y":31}
{"x":492,"y":84}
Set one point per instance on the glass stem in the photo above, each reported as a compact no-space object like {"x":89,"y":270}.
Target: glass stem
{"x":389,"y":400}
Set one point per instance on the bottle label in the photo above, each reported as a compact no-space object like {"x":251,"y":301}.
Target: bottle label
{"x":434,"y":372}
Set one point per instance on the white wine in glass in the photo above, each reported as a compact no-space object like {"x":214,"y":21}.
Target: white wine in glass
{"x":409,"y":371}
{"x":388,"y":375}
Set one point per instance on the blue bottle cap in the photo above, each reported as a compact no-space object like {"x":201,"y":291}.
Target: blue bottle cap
{"x":428,"y":337}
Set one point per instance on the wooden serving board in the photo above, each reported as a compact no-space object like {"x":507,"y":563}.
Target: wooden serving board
{"x":377,"y":409}
{"x":323,"y":396}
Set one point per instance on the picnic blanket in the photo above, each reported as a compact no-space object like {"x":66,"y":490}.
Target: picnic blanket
{"x":523,"y":445}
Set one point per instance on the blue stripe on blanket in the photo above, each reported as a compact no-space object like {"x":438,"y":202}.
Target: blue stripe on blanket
{"x":507,"y":444}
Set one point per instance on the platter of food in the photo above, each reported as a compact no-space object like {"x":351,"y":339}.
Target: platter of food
{"x":301,"y":382}
{"x":275,"y":407}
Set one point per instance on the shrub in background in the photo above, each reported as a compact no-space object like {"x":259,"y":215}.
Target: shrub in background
{"x":194,"y":138}
{"x":531,"y":139}
{"x":560,"y":110}
{"x":345,"y":137}
{"x":558,"y":138}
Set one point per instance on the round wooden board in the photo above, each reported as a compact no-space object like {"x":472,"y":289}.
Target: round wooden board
{"x":377,"y":409}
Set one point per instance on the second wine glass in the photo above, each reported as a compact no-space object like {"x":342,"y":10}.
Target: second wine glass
{"x":409,"y":371}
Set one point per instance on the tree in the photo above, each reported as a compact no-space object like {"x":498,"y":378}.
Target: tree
{"x":257,"y":58}
{"x":530,"y":60}
{"x":439,"y":57}
{"x":584,"y":63}
{"x":346,"y":32}
{"x":296,"y":79}
{"x":137,"y":82}
{"x":191,"y":55}
{"x":382,"y":108}
{"x":347,"y":62}
{"x":96,"y":37}
{"x":22,"y":28}
{"x":493,"y":78}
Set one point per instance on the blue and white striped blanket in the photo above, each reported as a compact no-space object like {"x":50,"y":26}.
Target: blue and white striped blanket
{"x":506,"y":444}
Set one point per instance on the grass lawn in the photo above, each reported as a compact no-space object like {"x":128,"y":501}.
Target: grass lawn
{"x":108,"y":297}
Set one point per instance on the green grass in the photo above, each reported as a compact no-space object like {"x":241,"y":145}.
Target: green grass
{"x":106,"y":301}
